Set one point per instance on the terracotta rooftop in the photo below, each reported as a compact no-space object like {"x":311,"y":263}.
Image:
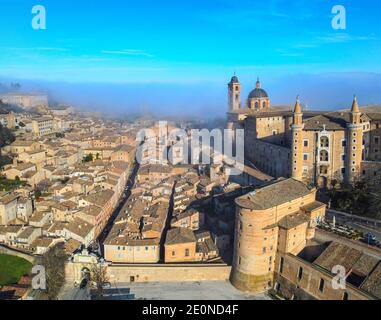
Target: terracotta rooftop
{"x":179,"y":235}
{"x":275,"y":194}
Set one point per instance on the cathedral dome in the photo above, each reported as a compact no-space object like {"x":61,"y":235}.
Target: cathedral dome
{"x":258,"y":93}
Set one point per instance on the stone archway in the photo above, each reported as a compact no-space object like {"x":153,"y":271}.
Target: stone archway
{"x":80,"y":266}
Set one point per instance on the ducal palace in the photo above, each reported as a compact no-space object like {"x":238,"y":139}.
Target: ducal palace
{"x":310,"y":146}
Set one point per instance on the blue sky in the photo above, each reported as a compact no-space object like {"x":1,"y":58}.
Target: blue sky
{"x":188,"y":41}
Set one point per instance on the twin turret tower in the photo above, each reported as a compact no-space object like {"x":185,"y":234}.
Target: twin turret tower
{"x":325,"y":154}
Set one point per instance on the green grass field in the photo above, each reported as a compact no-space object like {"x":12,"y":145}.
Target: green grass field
{"x":12,"y":269}
{"x":9,"y":185}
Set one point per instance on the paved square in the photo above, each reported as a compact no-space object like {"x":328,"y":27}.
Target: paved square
{"x":206,"y":290}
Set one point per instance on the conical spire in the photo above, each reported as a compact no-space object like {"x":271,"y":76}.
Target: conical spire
{"x":355,"y":105}
{"x":298,"y":107}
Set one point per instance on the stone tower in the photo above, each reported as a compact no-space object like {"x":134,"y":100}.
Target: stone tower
{"x":297,"y":143}
{"x":269,"y":224}
{"x":354,"y":143}
{"x":234,"y":94}
{"x":250,"y":269}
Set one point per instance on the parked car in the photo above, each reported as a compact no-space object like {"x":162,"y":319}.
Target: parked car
{"x":106,"y":285}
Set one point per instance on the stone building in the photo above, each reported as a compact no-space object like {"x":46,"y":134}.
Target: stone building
{"x":280,"y":217}
{"x":278,"y":247}
{"x":315,"y":147}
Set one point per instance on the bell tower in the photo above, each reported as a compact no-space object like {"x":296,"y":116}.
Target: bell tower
{"x":297,"y":142}
{"x":234,"y":94}
{"x":355,"y":139}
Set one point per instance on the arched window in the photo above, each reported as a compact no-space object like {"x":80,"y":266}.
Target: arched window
{"x":324,"y":142}
{"x":264,"y":104}
{"x":324,"y":155}
{"x":256,"y":105}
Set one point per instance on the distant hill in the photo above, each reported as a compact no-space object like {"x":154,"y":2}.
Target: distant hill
{"x":372,"y":109}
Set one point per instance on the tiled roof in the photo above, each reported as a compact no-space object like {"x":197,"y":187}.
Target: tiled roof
{"x":275,"y":194}
{"x":179,"y":235}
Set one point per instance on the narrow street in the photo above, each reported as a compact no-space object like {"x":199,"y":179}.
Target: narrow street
{"x":127,"y":192}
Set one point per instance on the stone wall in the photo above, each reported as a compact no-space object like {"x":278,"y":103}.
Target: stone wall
{"x":269,"y":158}
{"x":155,"y":272}
{"x":168,"y":273}
{"x":11,"y":252}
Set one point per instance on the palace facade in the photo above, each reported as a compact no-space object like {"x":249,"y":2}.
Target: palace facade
{"x":312,"y":146}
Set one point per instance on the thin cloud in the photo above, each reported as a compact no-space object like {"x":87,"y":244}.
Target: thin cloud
{"x":129,"y":52}
{"x":21,"y":49}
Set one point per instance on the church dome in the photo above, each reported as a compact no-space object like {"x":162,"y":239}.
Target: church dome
{"x":258,"y":93}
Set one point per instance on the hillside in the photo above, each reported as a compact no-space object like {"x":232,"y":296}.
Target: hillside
{"x":6,"y":108}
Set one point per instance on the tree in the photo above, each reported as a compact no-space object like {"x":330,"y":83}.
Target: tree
{"x":88,"y":158}
{"x":54,"y":263}
{"x":99,"y":276}
{"x":6,"y":136}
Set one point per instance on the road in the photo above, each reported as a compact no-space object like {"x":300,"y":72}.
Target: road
{"x":69,"y":292}
{"x":346,"y":217}
{"x":324,"y":236}
{"x":362,"y":224}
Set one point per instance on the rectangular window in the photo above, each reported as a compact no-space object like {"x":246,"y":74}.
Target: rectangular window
{"x":300,"y":273}
{"x":305,"y":143}
{"x":321,"y":285}
{"x":187,"y":252}
{"x":173,"y":253}
{"x":344,"y":143}
{"x":281,"y":265}
{"x":305,"y":156}
{"x":377,"y":140}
